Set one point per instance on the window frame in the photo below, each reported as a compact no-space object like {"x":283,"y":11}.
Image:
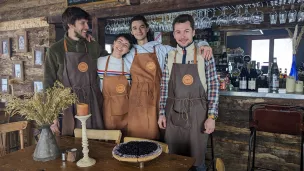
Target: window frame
{"x":271,"y":44}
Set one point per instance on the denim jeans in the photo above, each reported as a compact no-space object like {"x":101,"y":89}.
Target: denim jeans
{"x":202,"y":167}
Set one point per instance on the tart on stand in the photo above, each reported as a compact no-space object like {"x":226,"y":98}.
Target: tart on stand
{"x":137,"y":151}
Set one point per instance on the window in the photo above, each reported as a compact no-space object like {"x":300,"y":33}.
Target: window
{"x":260,"y":51}
{"x":283,"y":53}
{"x":109,"y":48}
{"x":282,"y":50}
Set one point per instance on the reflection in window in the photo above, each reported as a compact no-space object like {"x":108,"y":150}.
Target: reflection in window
{"x":109,"y":48}
{"x":4,"y":85}
{"x":283,"y":53}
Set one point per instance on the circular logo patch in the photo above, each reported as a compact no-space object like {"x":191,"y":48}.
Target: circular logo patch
{"x":188,"y":79}
{"x":120,"y":88}
{"x":150,"y":66}
{"x":83,"y":67}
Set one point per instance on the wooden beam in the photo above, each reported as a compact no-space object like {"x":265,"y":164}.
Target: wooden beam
{"x":134,"y":2}
{"x":23,"y":24}
{"x":98,"y":31}
{"x":157,"y":7}
{"x":168,"y":6}
{"x":102,"y":33}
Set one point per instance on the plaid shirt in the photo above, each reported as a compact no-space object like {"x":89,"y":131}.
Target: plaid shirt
{"x":212,"y":85}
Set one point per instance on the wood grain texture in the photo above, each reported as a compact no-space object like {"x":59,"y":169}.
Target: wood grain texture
{"x":102,"y":152}
{"x":100,"y":134}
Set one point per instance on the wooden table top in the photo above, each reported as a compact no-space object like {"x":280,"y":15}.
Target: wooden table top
{"x":22,"y":160}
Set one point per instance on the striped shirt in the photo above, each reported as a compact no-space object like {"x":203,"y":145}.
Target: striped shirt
{"x":114,"y":68}
{"x":212,"y":88}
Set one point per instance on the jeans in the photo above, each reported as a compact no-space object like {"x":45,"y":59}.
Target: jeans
{"x":202,"y":167}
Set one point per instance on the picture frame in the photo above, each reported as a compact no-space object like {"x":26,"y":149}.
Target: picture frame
{"x":6,"y":46}
{"x":37,"y":86}
{"x":18,"y":70}
{"x":38,"y":56}
{"x":22,"y":41}
{"x":4,"y":84}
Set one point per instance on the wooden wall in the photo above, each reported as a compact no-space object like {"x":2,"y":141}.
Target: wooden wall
{"x":26,"y":14}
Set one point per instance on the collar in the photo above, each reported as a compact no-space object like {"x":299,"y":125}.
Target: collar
{"x":73,"y":42}
{"x":189,"y":47}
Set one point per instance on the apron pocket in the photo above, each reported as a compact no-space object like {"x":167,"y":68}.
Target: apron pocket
{"x":119,"y":105}
{"x":180,"y":119}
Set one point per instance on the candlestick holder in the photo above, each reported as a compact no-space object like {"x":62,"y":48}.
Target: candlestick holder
{"x":86,"y":161}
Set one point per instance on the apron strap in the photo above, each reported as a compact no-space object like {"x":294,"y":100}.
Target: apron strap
{"x":123,"y":66}
{"x":135,"y":51}
{"x":106,"y":69}
{"x":107,"y":64}
{"x":66,"y":47}
{"x":195,"y":55}
{"x":154,"y":51}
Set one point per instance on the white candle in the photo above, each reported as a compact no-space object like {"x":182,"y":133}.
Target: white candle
{"x":290,"y":85}
{"x":299,"y":87}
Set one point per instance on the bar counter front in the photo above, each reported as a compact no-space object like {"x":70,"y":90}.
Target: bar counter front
{"x":231,"y":136}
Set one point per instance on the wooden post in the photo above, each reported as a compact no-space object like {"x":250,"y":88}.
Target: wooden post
{"x":21,"y":139}
{"x":98,"y":31}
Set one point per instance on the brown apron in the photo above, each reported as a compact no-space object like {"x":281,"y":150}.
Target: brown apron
{"x":116,"y":100}
{"x":80,"y":74}
{"x":186,"y":111}
{"x":144,"y":96}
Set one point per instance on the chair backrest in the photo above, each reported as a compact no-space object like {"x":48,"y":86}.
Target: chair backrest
{"x":273,"y":118}
{"x":220,"y":165}
{"x":11,"y":127}
{"x":163,"y":145}
{"x":114,"y":135}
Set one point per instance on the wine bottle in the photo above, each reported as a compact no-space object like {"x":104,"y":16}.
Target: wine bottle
{"x":274,"y":77}
{"x":243,"y":78}
{"x":252,"y":80}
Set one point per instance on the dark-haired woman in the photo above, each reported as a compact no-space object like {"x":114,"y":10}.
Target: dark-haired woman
{"x":146,"y":62}
{"x":114,"y":84}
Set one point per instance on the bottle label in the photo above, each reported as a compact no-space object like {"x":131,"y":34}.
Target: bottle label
{"x":251,"y":85}
{"x":275,"y":81}
{"x":243,"y":84}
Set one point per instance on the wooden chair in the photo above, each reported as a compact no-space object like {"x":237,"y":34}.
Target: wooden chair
{"x":220,"y":165}
{"x":106,"y":135}
{"x":273,"y":118}
{"x":163,"y":145}
{"x":11,"y":127}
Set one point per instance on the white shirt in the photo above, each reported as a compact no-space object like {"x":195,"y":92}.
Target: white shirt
{"x":161,"y":52}
{"x":114,"y":68}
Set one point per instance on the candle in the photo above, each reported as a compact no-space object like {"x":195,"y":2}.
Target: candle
{"x":82,"y":109}
{"x":299,"y":87}
{"x":290,"y":85}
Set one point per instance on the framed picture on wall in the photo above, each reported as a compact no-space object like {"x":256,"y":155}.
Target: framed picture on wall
{"x":37,"y":86}
{"x":5,"y":47}
{"x":18,"y":70}
{"x":4,"y":86}
{"x":38,"y":56}
{"x":22,"y":42}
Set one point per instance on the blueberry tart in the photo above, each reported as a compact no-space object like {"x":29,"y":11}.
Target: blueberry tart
{"x":137,"y":151}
